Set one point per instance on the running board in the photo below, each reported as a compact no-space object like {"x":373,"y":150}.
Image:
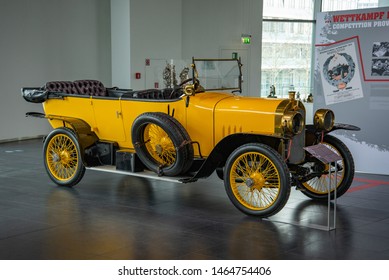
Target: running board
{"x":143,"y":174}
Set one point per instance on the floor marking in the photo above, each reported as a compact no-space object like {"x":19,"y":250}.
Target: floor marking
{"x":370,"y":184}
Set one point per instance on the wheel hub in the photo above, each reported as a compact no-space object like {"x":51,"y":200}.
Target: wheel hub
{"x":250,"y":183}
{"x":162,"y":146}
{"x":256,"y":181}
{"x":62,"y":157}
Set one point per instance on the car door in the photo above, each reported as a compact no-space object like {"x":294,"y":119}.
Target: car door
{"x":108,"y":119}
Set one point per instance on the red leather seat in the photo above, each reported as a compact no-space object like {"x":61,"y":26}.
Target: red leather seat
{"x":61,"y":86}
{"x":90,"y":87}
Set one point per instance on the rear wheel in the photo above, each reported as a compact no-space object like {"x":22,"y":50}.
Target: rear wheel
{"x":257,"y":180}
{"x":317,"y":188}
{"x":62,"y":159}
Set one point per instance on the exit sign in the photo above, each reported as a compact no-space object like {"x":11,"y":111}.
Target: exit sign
{"x":246,"y":39}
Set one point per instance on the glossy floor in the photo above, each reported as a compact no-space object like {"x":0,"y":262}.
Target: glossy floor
{"x":110,"y":216}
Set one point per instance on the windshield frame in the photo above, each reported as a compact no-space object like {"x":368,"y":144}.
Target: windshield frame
{"x":238,"y":62}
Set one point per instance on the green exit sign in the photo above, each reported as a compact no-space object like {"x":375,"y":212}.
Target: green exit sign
{"x":246,"y":39}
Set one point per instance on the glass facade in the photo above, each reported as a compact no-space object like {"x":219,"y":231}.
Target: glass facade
{"x":287,"y":41}
{"x":331,"y":5}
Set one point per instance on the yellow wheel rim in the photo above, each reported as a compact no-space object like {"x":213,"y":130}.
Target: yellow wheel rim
{"x":159,"y":145}
{"x":62,"y":157}
{"x":320,"y":185}
{"x":255,"y":181}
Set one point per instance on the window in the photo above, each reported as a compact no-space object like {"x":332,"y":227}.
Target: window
{"x":287,"y":43}
{"x":287,"y":30}
{"x":334,"y":5}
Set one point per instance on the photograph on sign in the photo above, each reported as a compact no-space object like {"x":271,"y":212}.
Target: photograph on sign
{"x":340,"y":73}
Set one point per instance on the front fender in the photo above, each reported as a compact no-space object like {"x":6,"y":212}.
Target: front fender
{"x":345,"y":127}
{"x":312,"y":134}
{"x":311,"y":128}
{"x":226,"y":146}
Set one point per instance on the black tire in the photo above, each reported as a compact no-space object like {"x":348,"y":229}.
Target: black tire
{"x":188,"y":145}
{"x":257,"y":180}
{"x":162,"y":144}
{"x":62,"y":157}
{"x":317,"y":188}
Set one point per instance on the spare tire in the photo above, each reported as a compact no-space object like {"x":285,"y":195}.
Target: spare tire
{"x":162,"y":144}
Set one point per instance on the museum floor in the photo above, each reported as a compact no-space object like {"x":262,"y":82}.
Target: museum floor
{"x":109,"y":216}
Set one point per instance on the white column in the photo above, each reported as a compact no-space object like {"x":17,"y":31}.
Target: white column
{"x":120,"y":43}
{"x":254,"y":13}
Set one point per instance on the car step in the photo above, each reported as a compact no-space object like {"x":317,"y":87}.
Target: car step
{"x":143,"y":174}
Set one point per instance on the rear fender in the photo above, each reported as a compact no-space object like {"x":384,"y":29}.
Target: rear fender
{"x":83,"y":131}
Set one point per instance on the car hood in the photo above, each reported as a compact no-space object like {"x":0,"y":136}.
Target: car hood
{"x":248,"y":114}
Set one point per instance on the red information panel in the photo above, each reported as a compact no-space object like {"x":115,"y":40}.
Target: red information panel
{"x":323,"y":153}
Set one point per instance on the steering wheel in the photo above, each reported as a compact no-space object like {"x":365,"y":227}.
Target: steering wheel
{"x":190,"y":89}
{"x":196,"y":82}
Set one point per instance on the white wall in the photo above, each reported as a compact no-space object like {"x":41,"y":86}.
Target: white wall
{"x":177,"y":29}
{"x":44,"y":40}
{"x":156,"y":32}
{"x":209,"y":26}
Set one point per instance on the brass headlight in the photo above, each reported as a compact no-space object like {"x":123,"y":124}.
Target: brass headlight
{"x":293,"y":122}
{"x":324,"y":119}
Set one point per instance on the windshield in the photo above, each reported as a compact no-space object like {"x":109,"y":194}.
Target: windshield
{"x":219,"y":74}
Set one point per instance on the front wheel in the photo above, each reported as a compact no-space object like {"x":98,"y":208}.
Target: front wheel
{"x":257,"y":180}
{"x":317,"y":188}
{"x":61,"y":152}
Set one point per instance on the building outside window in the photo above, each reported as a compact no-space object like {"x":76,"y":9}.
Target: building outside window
{"x":287,"y":42}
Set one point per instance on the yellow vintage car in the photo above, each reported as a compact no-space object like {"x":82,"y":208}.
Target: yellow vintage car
{"x":257,"y":146}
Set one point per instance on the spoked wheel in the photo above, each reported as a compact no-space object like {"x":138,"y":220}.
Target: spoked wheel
{"x":162,"y":144}
{"x":317,"y":188}
{"x":62,"y":157}
{"x":257,"y":180}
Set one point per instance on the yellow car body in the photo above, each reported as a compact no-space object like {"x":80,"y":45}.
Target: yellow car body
{"x":210,"y":116}
{"x":256,"y":145}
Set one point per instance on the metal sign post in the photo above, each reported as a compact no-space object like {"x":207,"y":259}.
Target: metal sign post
{"x":327,"y":156}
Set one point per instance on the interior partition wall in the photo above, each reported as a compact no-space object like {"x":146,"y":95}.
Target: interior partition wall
{"x":44,"y":41}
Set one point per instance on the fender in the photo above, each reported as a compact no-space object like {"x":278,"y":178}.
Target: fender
{"x":312,"y":134}
{"x":84,"y":133}
{"x":311,"y":127}
{"x":226,"y":146}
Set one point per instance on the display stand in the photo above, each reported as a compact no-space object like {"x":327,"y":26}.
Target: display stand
{"x":328,"y":157}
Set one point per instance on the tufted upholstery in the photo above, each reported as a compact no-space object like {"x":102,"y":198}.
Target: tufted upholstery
{"x":156,"y":94}
{"x":96,"y":88}
{"x":61,"y":86}
{"x":90,"y":87}
{"x":148,"y":94}
{"x":172,"y":94}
